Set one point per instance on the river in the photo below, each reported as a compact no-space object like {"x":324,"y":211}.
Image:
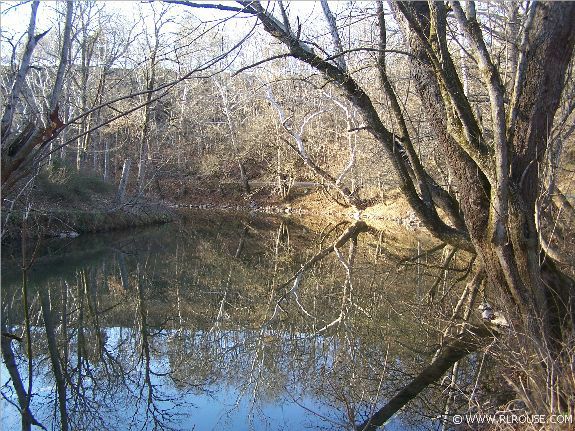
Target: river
{"x":211,"y":324}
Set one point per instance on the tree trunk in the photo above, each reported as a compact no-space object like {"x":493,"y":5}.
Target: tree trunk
{"x":458,"y":348}
{"x":123,"y":181}
{"x":18,"y":85}
{"x":20,"y":151}
{"x":244,"y":178}
{"x":531,"y":287}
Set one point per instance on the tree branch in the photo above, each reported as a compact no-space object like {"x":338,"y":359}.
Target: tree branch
{"x":459,"y":347}
{"x":491,"y":78}
{"x":357,"y":96}
{"x":223,"y":7}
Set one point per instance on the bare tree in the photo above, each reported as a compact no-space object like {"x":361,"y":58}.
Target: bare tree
{"x":494,"y":165}
{"x":19,"y":148}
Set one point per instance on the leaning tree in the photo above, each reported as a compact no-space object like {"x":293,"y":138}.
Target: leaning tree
{"x":495,"y":160}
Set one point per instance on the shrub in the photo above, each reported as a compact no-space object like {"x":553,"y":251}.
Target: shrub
{"x":62,"y":182}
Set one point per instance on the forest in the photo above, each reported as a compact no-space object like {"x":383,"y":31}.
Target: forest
{"x":450,"y":122}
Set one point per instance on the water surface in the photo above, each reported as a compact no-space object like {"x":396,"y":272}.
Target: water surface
{"x":203,"y":326}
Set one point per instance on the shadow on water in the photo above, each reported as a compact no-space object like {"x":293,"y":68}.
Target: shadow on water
{"x":217,"y":323}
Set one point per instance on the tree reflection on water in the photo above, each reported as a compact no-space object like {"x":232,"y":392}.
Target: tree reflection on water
{"x":222,"y":324}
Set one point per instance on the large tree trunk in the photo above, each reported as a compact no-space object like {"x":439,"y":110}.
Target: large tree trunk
{"x":533,"y":290}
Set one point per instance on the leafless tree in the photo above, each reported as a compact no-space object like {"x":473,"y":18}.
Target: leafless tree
{"x":494,"y":165}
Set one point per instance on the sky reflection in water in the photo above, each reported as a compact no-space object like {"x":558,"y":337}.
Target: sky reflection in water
{"x":167,"y":330}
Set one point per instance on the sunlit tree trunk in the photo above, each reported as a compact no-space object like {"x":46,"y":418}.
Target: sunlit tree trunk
{"x":120,"y":196}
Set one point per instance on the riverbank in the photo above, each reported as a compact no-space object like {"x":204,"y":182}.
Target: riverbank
{"x":70,"y":223}
{"x":67,"y":204}
{"x":305,"y":199}
{"x":64,"y":203}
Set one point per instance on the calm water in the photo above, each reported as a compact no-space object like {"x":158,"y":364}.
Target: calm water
{"x":202,"y":326}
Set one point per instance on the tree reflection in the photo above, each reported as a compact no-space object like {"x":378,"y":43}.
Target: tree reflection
{"x":50,"y":328}
{"x":23,"y":398}
{"x":227,"y":321}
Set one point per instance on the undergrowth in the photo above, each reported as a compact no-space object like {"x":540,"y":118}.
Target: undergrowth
{"x":61,"y":182}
